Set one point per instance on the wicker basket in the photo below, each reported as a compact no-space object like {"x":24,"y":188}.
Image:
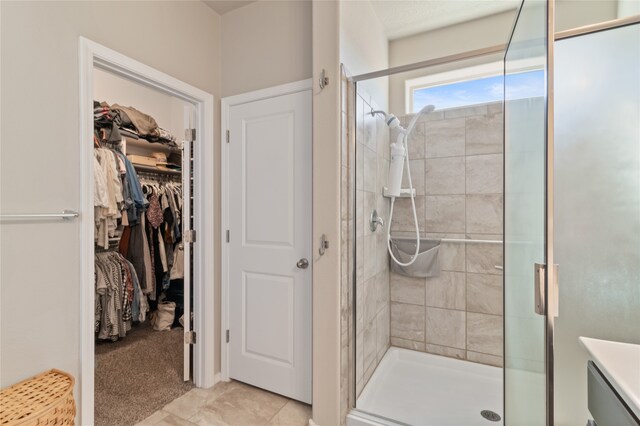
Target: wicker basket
{"x":46,"y":399}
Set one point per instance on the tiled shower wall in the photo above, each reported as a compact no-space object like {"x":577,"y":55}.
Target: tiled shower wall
{"x":372,"y":263}
{"x":456,"y":168}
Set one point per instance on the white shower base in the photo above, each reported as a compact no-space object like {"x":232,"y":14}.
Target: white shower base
{"x":416,"y":388}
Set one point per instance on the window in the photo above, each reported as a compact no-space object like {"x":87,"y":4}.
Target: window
{"x":471,"y":86}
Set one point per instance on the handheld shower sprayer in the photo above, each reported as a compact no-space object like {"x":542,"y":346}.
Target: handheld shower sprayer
{"x":400,"y":157}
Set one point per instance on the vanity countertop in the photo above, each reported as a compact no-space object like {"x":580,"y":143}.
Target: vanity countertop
{"x":620,"y":364}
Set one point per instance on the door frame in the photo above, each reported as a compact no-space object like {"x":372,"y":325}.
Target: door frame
{"x":93,"y":55}
{"x":227,"y":103}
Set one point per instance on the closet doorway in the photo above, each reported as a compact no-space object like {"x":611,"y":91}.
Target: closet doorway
{"x":147,"y":337}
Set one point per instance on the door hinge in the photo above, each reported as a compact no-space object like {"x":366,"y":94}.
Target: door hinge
{"x":189,"y":236}
{"x":190,"y":135}
{"x":190,"y":337}
{"x":227,"y":336}
{"x":227,"y":235}
{"x":228,"y":137}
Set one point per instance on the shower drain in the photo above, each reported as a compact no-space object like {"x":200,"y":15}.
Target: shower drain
{"x":490,"y":415}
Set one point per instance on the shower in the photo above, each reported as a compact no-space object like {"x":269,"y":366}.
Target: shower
{"x":400,"y":157}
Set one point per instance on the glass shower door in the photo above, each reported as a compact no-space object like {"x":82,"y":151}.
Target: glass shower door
{"x":526,"y":112}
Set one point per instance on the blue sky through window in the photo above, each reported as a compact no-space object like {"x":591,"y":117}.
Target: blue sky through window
{"x":488,"y":89}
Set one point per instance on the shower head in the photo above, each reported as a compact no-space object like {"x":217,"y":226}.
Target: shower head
{"x":391,"y":120}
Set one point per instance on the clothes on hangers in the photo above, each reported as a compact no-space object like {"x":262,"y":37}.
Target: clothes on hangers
{"x":119,"y":299}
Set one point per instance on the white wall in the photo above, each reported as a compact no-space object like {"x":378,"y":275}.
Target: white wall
{"x":265,"y":44}
{"x":364,"y":47}
{"x":40,"y":289}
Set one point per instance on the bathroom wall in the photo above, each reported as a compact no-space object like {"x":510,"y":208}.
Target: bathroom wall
{"x":264,"y":44}
{"x":456,"y":168}
{"x":40,"y":66}
{"x":372,"y":262}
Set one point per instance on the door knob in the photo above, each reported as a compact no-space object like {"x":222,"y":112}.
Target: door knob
{"x":302,"y":263}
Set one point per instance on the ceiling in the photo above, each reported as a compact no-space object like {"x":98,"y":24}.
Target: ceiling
{"x":224,"y":6}
{"x":401,"y":18}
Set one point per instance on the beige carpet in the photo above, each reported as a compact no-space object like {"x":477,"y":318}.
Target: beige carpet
{"x":138,"y":375}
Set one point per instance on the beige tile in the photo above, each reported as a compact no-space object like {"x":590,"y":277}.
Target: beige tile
{"x":370,"y":170}
{"x":369,"y":256}
{"x":407,"y":321}
{"x":344,"y":140}
{"x":246,"y":405}
{"x":417,"y":176}
{"x":447,"y":290}
{"x":370,"y":296}
{"x":451,"y":255}
{"x":445,"y":327}
{"x":484,"y":174}
{"x":382,"y":290}
{"x":494,"y":108}
{"x":370,"y":336}
{"x":154,"y":418}
{"x":359,"y":386}
{"x":484,"y":293}
{"x":484,"y":333}
{"x":172,"y":420}
{"x":407,"y":344}
{"x":370,"y":204}
{"x":360,"y":213}
{"x":370,"y":129}
{"x":383,"y":321}
{"x":407,"y":289}
{"x":360,"y":259}
{"x":368,"y":372}
{"x":294,"y":413}
{"x":484,"y":134}
{"x":445,"y":176}
{"x":345,"y":205}
{"x":445,"y":138}
{"x":359,"y":355}
{"x":186,"y":405}
{"x":206,"y":417}
{"x":493,"y":360}
{"x":445,"y":351}
{"x":403,"y":214}
{"x":484,"y":213}
{"x":416,"y":141}
{"x":382,"y":138}
{"x":359,"y":165}
{"x":483,"y":258}
{"x":465,"y":111}
{"x":445,"y":213}
{"x":382,"y":256}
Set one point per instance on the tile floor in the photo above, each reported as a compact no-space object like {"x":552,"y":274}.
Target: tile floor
{"x":230,"y":404}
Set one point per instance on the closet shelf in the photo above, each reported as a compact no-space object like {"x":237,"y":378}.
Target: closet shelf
{"x":151,"y":146}
{"x":152,"y":169}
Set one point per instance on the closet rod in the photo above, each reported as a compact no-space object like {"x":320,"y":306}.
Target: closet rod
{"x":66,"y":214}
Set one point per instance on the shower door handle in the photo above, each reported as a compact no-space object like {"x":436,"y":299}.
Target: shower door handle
{"x":539,"y":287}
{"x":302,"y":263}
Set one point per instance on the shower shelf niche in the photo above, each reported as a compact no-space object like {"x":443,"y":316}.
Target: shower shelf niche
{"x":404,"y":192}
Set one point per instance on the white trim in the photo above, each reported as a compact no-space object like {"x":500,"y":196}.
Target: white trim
{"x":92,"y":55}
{"x":226,"y":104}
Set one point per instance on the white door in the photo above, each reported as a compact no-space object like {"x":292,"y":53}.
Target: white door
{"x":270,"y":244}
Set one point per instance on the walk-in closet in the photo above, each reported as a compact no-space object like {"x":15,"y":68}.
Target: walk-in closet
{"x":142,"y":182}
